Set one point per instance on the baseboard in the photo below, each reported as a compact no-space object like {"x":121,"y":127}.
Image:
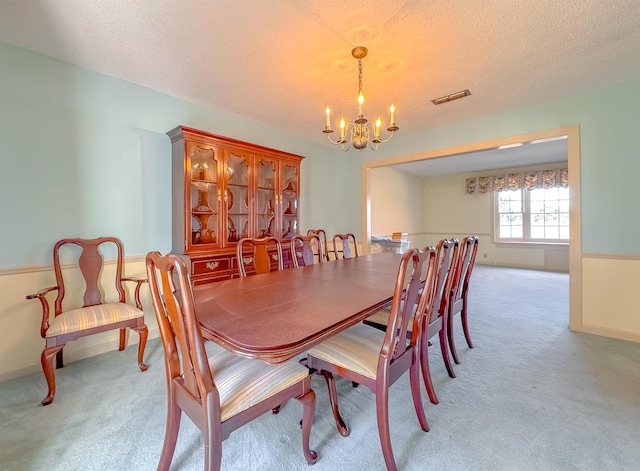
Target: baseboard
{"x":611,"y":333}
{"x":515,"y":265}
{"x":79,"y":354}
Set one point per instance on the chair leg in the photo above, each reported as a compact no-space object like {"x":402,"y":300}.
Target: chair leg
{"x":308,"y":402}
{"x":212,"y":449}
{"x":123,"y":339}
{"x":465,"y":325}
{"x":382,"y":412}
{"x":59,"y":359}
{"x":144,"y":333}
{"x":46,"y":360}
{"x":452,"y":343}
{"x":444,"y":348}
{"x":333,"y":399}
{"x":426,"y":373}
{"x":414,"y":377}
{"x":212,"y":432}
{"x":174,"y":413}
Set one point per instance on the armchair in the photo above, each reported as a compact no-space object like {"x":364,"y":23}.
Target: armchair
{"x":95,"y":315}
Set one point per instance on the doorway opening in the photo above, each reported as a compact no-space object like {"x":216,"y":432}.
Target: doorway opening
{"x":573,"y":162}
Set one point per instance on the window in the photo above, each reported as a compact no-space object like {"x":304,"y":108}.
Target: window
{"x":540,"y":215}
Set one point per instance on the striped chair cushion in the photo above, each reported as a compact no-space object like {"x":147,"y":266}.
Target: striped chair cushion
{"x":382,"y":317}
{"x":92,"y":316}
{"x":356,"y":349}
{"x":243,"y":382}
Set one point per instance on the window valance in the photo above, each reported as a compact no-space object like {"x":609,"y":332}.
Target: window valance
{"x":556,"y":178}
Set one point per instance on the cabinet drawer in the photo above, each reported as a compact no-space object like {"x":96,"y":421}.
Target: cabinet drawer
{"x":201,"y":280}
{"x":210,"y":266}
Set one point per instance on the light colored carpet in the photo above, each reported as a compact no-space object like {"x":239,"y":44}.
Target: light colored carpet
{"x":532,"y":395}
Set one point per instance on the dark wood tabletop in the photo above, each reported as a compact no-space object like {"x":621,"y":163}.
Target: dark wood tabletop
{"x":278,"y":315}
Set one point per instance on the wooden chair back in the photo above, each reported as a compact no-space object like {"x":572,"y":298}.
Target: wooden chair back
{"x":464,"y":267}
{"x":458,"y":296}
{"x":190,"y":381}
{"x":90,"y":262}
{"x":447,"y":254}
{"x":436,"y":318}
{"x":414,"y":287}
{"x":304,"y":249}
{"x":185,"y":355}
{"x":342,"y":246}
{"x":262,"y":254}
{"x":323,"y":243}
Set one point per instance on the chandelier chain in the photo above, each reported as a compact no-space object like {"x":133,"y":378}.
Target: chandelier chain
{"x":359,"y":76}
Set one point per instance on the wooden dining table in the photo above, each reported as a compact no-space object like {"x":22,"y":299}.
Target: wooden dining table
{"x":278,"y":315}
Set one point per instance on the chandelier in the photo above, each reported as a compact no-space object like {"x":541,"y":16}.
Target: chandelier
{"x":361,"y":130}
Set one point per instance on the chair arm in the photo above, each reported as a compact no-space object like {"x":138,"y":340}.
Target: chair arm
{"x":41,"y":295}
{"x":139,"y":282}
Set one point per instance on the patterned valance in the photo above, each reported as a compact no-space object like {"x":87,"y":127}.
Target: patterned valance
{"x":557,"y":178}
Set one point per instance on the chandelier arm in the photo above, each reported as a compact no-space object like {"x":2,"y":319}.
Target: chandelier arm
{"x":385,"y":140}
{"x":344,"y":143}
{"x":331,"y":141}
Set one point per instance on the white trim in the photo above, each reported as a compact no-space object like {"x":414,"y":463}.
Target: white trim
{"x":515,"y":265}
{"x":612,"y":333}
{"x":611,"y":256}
{"x":67,"y":266}
{"x":453,"y":233}
{"x":572,"y":132}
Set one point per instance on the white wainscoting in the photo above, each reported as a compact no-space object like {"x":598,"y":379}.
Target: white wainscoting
{"x":20,"y":340}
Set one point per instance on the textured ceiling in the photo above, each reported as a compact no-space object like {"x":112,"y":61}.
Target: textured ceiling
{"x":282,"y":61}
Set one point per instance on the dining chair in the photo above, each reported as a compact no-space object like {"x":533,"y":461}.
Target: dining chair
{"x":95,"y":314}
{"x":435,"y":319}
{"x":377,"y":359}
{"x":255,"y":253}
{"x":459,"y":291}
{"x":323,"y":241}
{"x":218,"y":391}
{"x":342,"y":246}
{"x":303,"y":251}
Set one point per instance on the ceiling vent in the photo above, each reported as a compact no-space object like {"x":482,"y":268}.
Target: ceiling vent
{"x":453,"y":96}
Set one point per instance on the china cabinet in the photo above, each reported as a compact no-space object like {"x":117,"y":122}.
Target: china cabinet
{"x":223,"y":190}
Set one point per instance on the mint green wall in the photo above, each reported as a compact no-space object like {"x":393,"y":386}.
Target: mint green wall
{"x":86,"y":155}
{"x":83,"y":154}
{"x":609,"y":121}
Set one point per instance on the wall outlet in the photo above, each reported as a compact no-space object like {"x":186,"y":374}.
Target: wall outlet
{"x":484,"y":255}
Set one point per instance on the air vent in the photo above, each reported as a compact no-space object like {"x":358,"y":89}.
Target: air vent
{"x":453,"y":96}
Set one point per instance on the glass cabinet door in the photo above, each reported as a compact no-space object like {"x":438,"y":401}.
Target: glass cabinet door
{"x":236,"y":196}
{"x":204,"y":196}
{"x":265,"y":198}
{"x":289,"y":184}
